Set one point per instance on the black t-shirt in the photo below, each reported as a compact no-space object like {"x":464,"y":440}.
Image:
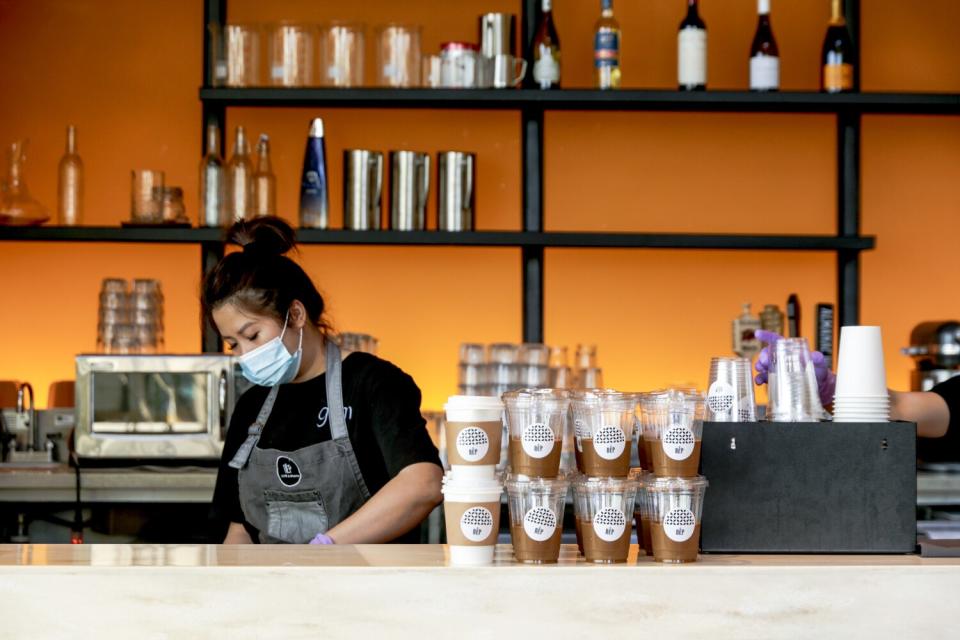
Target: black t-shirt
{"x":382,"y":407}
{"x":947,"y":448}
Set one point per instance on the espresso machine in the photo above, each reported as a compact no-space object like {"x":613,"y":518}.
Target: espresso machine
{"x":935,"y":349}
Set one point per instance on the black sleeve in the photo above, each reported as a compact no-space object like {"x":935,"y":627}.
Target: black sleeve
{"x":947,"y":447}
{"x":226,"y":492}
{"x":398,"y":426}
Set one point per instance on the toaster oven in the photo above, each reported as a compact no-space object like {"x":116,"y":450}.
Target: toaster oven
{"x":154,"y":408}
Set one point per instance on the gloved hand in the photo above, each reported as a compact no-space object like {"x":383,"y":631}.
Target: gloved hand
{"x":322,"y":538}
{"x":826,"y":379}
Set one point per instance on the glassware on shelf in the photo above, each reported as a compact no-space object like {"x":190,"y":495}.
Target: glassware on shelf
{"x":341,"y":54}
{"x":17,"y":207}
{"x":70,"y":183}
{"x":243,"y":55}
{"x":398,"y":55}
{"x":293,"y":52}
{"x":146,"y":196}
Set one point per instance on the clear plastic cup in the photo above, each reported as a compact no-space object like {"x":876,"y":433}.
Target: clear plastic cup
{"x":730,"y":396}
{"x":675,"y":506}
{"x":474,"y":430}
{"x":672,"y":431}
{"x":536,"y":517}
{"x":603,"y":423}
{"x":793,"y":391}
{"x":536,"y":420}
{"x":472,"y":516}
{"x":641,"y":518}
{"x":604,"y":509}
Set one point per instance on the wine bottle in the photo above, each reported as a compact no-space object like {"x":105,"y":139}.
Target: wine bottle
{"x":70,"y":183}
{"x":240,"y":180}
{"x":606,"y":47}
{"x":837,"y":58}
{"x":546,"y":50}
{"x":264,"y":182}
{"x":764,"y":54}
{"x":213,"y":188}
{"x":692,"y":50}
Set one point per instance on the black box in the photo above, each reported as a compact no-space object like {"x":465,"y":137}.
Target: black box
{"x":809,"y":487}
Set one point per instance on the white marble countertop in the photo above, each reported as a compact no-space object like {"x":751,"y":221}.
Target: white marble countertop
{"x":393,"y":591}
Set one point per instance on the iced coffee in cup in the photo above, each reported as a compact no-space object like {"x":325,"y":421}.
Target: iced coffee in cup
{"x":536,"y":517}
{"x":603,"y":427}
{"x":472,"y":516}
{"x":675,"y":506}
{"x":604,"y":512}
{"x":673,"y":428}
{"x":536,"y":420}
{"x":641,"y":521}
{"x":473,"y":429}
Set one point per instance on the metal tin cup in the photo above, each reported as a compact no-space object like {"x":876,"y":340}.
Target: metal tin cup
{"x":673,"y":428}
{"x":536,"y":420}
{"x":675,"y":506}
{"x":603,"y":422}
{"x":536,"y":517}
{"x":498,"y":34}
{"x":362,"y":187}
{"x":456,"y":189}
{"x":604,"y":510}
{"x":409,"y":190}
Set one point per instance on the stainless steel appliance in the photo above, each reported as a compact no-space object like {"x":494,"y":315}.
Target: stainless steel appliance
{"x":935,"y":349}
{"x":409,"y":190}
{"x":362,"y":186}
{"x":455,"y":193}
{"x":498,"y":34}
{"x":154,"y":408}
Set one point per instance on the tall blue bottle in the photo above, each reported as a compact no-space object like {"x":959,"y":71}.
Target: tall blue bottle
{"x":314,"y":193}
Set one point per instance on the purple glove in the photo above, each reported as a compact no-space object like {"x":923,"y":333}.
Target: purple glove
{"x":826,"y":380}
{"x":321,"y":538}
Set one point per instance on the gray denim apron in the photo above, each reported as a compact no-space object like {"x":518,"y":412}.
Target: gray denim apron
{"x":291,"y":496}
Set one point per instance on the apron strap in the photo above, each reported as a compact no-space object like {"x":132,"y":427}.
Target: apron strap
{"x":253,"y":433}
{"x":338,"y":423}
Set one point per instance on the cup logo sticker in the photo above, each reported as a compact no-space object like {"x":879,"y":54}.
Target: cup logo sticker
{"x":720,"y":398}
{"x":609,"y":442}
{"x":537,"y":440}
{"x":746,"y":413}
{"x":609,"y":524}
{"x":539,"y":524}
{"x":476,"y":524}
{"x":679,"y":524}
{"x":472,"y":444}
{"x":678,"y":443}
{"x":580,"y":431}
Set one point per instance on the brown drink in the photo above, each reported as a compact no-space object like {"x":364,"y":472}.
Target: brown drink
{"x":645,"y":535}
{"x":667,"y":550}
{"x":522,"y":463}
{"x":591,"y":463}
{"x":532,"y":551}
{"x":665,"y":465}
{"x":604,"y":549}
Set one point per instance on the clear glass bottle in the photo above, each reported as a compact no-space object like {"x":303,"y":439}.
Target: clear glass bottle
{"x":745,"y":343}
{"x":18,"y":206}
{"x":546,"y":50}
{"x":606,"y":47}
{"x":213,"y":189}
{"x":70,"y":183}
{"x":264,"y":182}
{"x":240,"y":180}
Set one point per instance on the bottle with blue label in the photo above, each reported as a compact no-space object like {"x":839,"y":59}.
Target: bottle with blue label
{"x":314,"y":194}
{"x":606,"y":48}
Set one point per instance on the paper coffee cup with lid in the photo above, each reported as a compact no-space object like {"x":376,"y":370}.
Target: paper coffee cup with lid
{"x":473,"y":430}
{"x":472,"y":516}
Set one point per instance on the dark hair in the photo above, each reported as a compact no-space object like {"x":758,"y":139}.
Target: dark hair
{"x":261,"y":279}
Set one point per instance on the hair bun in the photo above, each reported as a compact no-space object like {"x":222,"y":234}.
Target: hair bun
{"x":266,"y":236}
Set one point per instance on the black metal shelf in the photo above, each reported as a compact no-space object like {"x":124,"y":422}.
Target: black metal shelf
{"x":522,"y":239}
{"x":588,"y":100}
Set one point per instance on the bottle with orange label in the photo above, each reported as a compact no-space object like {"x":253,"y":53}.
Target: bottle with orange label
{"x":839,"y":65}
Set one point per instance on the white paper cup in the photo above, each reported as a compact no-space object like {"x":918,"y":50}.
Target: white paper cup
{"x":472,"y":516}
{"x":473,"y":434}
{"x":860,"y":364}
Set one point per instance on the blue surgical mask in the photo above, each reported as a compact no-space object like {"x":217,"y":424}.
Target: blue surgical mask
{"x":271,"y":364}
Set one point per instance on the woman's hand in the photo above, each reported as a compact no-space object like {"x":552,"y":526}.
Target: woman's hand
{"x":237,"y":534}
{"x":402,"y":504}
{"x":826,"y":379}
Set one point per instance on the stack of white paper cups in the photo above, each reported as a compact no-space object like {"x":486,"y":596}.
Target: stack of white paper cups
{"x":861,"y":394}
{"x":472,"y":488}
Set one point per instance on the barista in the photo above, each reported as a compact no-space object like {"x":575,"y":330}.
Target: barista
{"x":324,"y":449}
{"x":936,"y":412}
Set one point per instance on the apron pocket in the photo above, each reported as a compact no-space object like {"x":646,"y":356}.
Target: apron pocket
{"x":295,"y":516}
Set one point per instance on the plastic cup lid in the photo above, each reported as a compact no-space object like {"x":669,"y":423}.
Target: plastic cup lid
{"x":520,"y":482}
{"x":612,"y":485}
{"x":669,"y":484}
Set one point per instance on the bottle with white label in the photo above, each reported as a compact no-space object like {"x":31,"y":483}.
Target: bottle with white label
{"x":546,"y":50}
{"x":764,"y":54}
{"x":692,"y":50}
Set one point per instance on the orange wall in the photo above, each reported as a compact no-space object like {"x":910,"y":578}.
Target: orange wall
{"x":127,"y":75}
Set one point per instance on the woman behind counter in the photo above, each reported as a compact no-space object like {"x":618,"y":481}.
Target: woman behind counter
{"x":324,"y":449}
